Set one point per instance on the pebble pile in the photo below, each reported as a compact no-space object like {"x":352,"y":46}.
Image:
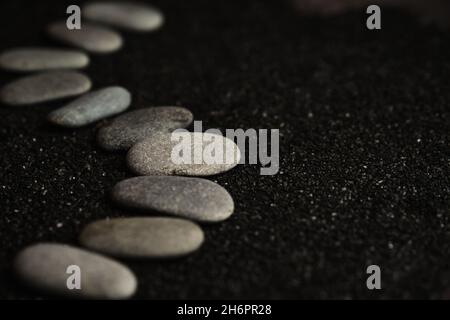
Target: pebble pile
{"x":159,"y":189}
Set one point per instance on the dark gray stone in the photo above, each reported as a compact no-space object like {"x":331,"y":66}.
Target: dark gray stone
{"x":130,"y":16}
{"x":91,"y":107}
{"x":90,"y":37}
{"x":40,"y":59}
{"x":134,"y":126}
{"x":153,"y":156}
{"x":192,"y":198}
{"x":44,"y":87}
{"x":44,"y":267}
{"x":142,"y":238}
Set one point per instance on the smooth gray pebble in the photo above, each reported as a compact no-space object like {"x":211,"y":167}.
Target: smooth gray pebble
{"x":92,"y":107}
{"x":153,"y":156}
{"x":192,"y":198}
{"x":140,"y":238}
{"x":134,"y":126}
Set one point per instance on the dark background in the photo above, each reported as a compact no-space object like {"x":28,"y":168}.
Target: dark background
{"x":364,"y":178}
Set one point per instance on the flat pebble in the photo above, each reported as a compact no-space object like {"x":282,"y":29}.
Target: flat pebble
{"x":44,"y":87}
{"x":131,"y":16}
{"x":131,"y":127}
{"x":44,"y":266}
{"x":143,"y":237}
{"x":153,"y":156}
{"x":90,"y":37}
{"x":39,"y":59}
{"x":191,"y":198}
{"x":91,"y":107}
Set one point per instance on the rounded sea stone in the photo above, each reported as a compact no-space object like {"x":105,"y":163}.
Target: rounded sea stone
{"x":192,"y":198}
{"x":91,"y":107}
{"x":130,"y":16}
{"x":40,"y":59}
{"x":183,"y":153}
{"x":45,"y":87}
{"x":134,"y":126}
{"x":44,"y":266}
{"x":90,"y":37}
{"x":141,"y":238}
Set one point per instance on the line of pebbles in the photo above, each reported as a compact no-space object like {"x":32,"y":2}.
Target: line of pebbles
{"x":144,"y":132}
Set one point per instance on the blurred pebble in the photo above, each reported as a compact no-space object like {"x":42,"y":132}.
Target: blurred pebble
{"x":44,"y":266}
{"x":129,"y":16}
{"x":44,"y":87}
{"x":90,"y":37}
{"x":39,"y":59}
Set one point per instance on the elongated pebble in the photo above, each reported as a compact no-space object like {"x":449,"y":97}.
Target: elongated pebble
{"x":90,"y":37}
{"x":184,"y":154}
{"x":40,"y":59}
{"x":91,"y":107}
{"x":44,"y":87}
{"x":134,"y":126}
{"x":131,"y":16}
{"x":44,"y":266}
{"x":143,"y":237}
{"x":191,"y":198}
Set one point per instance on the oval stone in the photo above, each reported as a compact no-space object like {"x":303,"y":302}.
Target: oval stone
{"x":184,"y":154}
{"x":191,"y":198}
{"x":90,"y":37}
{"x":44,"y":87}
{"x":91,"y":107}
{"x":134,"y":126}
{"x":44,"y":266}
{"x":129,"y":16}
{"x":143,"y":237}
{"x":39,"y":59}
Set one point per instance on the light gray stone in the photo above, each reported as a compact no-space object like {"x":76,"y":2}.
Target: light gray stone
{"x":191,"y":198}
{"x":40,"y":59}
{"x":45,"y":87}
{"x":44,"y":267}
{"x":91,"y":107}
{"x":134,"y":126}
{"x":90,"y":37}
{"x":141,"y":238}
{"x":154,"y":155}
{"x":131,"y":16}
